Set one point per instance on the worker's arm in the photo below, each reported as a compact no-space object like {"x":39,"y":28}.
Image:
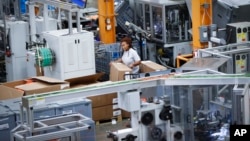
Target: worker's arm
{"x":136,"y":63}
{"x":137,"y":59}
{"x":116,"y":61}
{"x":119,"y":60}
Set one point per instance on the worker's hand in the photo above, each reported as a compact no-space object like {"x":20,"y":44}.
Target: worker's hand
{"x":131,"y":66}
{"x":111,"y":63}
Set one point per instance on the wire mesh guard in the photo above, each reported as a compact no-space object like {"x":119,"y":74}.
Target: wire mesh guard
{"x":45,"y":57}
{"x":126,"y":13}
{"x":104,"y":54}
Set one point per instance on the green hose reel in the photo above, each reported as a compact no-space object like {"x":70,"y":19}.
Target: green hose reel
{"x":45,"y":57}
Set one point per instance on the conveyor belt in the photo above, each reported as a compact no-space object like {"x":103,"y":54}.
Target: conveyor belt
{"x":172,"y":79}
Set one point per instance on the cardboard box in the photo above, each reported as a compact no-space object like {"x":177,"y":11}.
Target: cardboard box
{"x":117,"y":71}
{"x":40,"y":84}
{"x":126,"y":114}
{"x":105,"y":113}
{"x":9,"y":93}
{"x":149,"y":66}
{"x":92,"y":80}
{"x":102,"y":100}
{"x":84,"y":80}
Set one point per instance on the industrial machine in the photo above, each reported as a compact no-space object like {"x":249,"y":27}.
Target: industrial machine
{"x":191,"y":104}
{"x":66,"y":53}
{"x":168,"y":23}
{"x":32,"y":47}
{"x":237,"y":54}
{"x":219,"y":64}
{"x":154,"y":117}
{"x":74,"y":54}
{"x":238,"y":32}
{"x":65,"y":107}
{"x":65,"y":128}
{"x":15,"y":49}
{"x":40,"y":26}
{"x":171,"y":51}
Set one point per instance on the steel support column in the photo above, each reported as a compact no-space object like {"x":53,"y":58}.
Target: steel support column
{"x":201,"y":16}
{"x":106,"y":14}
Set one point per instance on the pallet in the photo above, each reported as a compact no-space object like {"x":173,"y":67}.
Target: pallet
{"x":117,"y":118}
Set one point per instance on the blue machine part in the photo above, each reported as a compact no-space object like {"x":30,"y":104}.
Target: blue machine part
{"x":39,"y":113}
{"x":23,"y":6}
{"x":80,"y":3}
{"x":89,"y":135}
{"x":10,"y":115}
{"x":158,"y":28}
{"x":7,"y":122}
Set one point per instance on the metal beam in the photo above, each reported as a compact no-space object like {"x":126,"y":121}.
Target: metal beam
{"x":51,"y":97}
{"x":202,"y":16}
{"x":62,"y":5}
{"x":106,"y":14}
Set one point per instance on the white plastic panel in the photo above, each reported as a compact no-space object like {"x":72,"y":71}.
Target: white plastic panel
{"x":86,"y":51}
{"x":16,"y":68}
{"x":17,"y":38}
{"x":31,"y":71}
{"x":70,"y":50}
{"x":129,"y":101}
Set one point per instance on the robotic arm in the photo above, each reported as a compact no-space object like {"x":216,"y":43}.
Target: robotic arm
{"x":137,"y":29}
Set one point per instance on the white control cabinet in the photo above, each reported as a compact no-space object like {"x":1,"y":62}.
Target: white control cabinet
{"x":16,"y":63}
{"x":74,"y":54}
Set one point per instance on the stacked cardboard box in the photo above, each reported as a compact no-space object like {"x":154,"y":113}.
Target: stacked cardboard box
{"x":105,"y":107}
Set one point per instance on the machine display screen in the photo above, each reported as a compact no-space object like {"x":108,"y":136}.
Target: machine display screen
{"x":80,"y":3}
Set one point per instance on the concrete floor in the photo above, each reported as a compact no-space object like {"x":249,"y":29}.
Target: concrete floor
{"x":101,"y":130}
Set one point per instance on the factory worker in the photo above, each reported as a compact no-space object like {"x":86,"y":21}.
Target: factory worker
{"x":129,"y":56}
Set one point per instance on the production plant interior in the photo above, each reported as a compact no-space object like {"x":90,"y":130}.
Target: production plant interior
{"x":64,"y":75}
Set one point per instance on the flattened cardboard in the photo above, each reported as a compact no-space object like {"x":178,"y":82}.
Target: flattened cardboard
{"x":48,"y":80}
{"x":40,"y":84}
{"x":84,"y":80}
{"x":117,"y":71}
{"x":149,"y":66}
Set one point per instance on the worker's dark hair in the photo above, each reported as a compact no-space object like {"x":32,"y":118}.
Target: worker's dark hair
{"x":128,"y":40}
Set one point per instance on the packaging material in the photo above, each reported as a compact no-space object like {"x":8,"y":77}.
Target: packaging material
{"x":149,"y":66}
{"x":117,"y":71}
{"x":34,"y":85}
{"x":84,"y":80}
{"x":102,"y":100}
{"x":9,"y":93}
